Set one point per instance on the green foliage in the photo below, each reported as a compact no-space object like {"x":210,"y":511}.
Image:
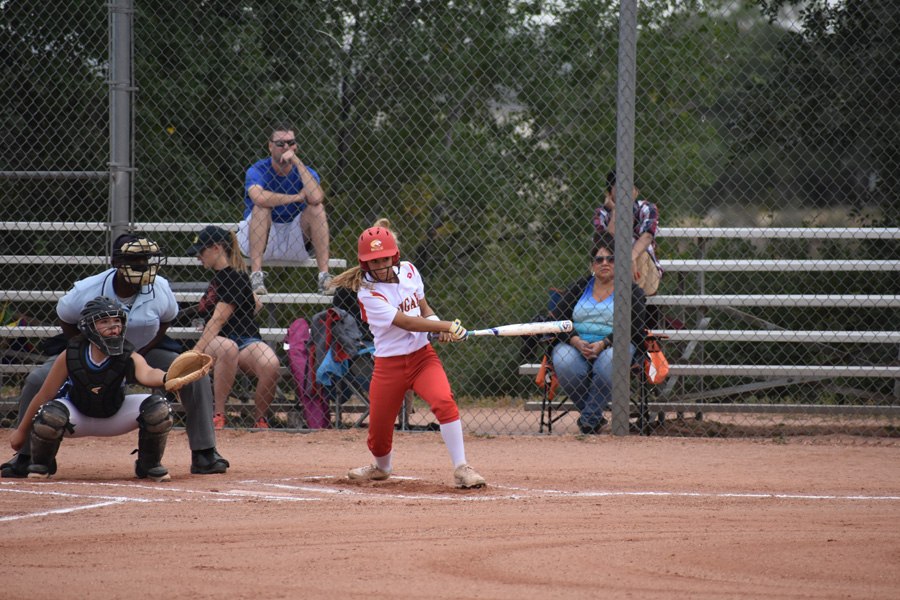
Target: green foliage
{"x":804,"y":116}
{"x":482,"y":129}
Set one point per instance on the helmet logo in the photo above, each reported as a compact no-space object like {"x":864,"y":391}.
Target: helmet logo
{"x":375,"y":245}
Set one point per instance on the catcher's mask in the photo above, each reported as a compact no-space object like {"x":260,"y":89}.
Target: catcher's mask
{"x":95,"y":310}
{"x":377,"y":242}
{"x":137,"y":259}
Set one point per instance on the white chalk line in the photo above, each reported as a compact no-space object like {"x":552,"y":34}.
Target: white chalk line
{"x":60,"y":511}
{"x":107,"y":501}
{"x":739,"y":495}
{"x":163,"y":488}
{"x":311,"y":492}
{"x":117,"y":500}
{"x":532,"y":492}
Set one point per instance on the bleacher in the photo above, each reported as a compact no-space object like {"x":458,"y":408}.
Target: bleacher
{"x":684,"y":345}
{"x":282,"y":307}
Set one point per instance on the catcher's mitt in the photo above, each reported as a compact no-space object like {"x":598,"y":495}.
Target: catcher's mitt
{"x":187,"y":367}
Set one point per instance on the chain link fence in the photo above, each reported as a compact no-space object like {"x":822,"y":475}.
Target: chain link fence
{"x":484,"y":132}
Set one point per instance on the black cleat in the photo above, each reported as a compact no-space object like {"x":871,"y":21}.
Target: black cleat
{"x":16,"y":468}
{"x":592,"y":429}
{"x":208,"y":462}
{"x":39,"y":472}
{"x":158,"y":473}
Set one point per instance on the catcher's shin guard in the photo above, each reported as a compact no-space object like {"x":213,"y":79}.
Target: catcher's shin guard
{"x":47,"y":430}
{"x":155,"y":414}
{"x":154,"y":422}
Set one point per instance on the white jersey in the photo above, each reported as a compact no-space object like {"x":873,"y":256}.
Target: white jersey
{"x":379,"y":304}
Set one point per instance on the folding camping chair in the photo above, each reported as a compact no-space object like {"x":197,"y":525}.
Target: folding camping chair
{"x":554,"y":407}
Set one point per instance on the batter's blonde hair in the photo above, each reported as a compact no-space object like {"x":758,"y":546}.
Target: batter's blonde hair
{"x":354,"y":277}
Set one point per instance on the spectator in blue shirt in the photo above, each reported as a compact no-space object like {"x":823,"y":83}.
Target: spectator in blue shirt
{"x":284,"y":215}
{"x":583,"y":357}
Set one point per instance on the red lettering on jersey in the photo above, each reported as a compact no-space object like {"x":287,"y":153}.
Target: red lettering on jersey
{"x":409,"y":303}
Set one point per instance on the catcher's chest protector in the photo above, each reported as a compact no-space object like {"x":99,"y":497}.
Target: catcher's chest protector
{"x":97,"y":392}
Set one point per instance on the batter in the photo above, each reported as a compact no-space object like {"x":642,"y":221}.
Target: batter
{"x":392,"y":301}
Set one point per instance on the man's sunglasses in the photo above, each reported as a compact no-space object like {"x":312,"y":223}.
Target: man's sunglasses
{"x":283,"y":143}
{"x":600,"y":259}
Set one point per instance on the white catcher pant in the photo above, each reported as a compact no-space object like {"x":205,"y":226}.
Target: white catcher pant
{"x":122,"y":422}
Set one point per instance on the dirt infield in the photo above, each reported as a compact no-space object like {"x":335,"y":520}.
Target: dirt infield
{"x":562,"y":517}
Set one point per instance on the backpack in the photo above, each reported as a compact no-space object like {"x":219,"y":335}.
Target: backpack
{"x":335,"y":329}
{"x":300,"y":359}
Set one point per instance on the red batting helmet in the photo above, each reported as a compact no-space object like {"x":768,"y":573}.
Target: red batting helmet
{"x":377,"y":242}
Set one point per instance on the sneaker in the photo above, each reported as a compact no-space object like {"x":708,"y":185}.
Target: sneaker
{"x":219,"y":421}
{"x":16,"y":468}
{"x":256,"y":283}
{"x":158,"y":473}
{"x":208,"y":462}
{"x":465,"y":477}
{"x":261,"y":424}
{"x":370,"y":472}
{"x":591,"y":429}
{"x":324,"y":281}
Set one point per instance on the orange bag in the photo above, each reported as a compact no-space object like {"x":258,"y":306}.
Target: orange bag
{"x":547,"y":377}
{"x":657,"y":366}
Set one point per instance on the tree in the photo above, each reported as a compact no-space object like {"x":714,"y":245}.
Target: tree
{"x":825,"y":113}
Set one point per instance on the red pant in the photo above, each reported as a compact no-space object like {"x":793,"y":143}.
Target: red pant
{"x":421,"y":372}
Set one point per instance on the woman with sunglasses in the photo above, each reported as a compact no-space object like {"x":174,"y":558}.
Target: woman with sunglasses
{"x":583,"y":357}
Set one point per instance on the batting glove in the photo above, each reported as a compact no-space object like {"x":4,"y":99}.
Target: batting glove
{"x":458,"y":333}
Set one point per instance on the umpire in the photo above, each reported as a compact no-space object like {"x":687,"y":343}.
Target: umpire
{"x":151,"y":308}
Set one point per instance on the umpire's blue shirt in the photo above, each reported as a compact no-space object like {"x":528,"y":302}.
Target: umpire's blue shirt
{"x":154,"y":305}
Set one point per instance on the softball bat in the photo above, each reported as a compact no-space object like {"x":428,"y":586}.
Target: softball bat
{"x":521,"y":329}
{"x":525,"y":328}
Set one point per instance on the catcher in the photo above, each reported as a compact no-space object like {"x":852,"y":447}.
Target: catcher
{"x":84,"y":395}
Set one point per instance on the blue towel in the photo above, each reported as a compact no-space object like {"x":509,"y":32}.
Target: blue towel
{"x":331,"y":371}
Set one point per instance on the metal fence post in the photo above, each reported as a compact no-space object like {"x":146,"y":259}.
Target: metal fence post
{"x":627,"y":78}
{"x":121,"y":94}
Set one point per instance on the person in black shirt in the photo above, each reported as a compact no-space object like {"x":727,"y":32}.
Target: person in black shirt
{"x":230,"y":334}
